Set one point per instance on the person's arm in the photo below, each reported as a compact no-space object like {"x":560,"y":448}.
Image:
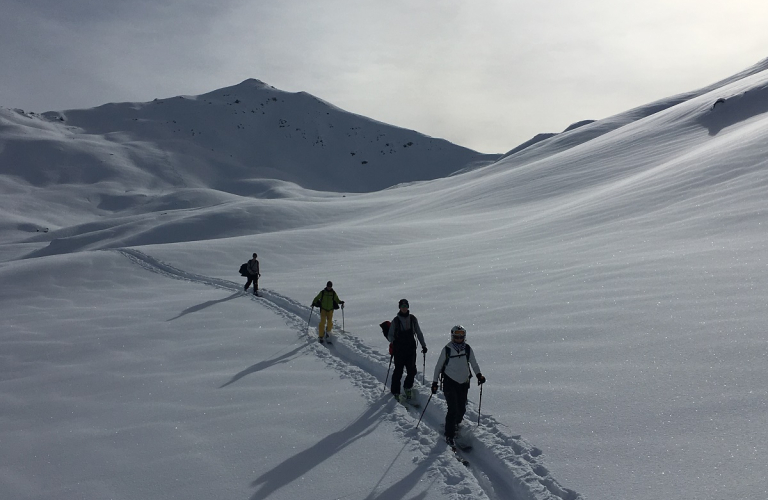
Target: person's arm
{"x":439,"y":366}
{"x":391,"y":333}
{"x":475,"y":366}
{"x":419,"y":334}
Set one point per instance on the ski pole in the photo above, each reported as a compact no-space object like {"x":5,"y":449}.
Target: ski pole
{"x":310,"y":318}
{"x":390,"y":367}
{"x":423,"y":368}
{"x":342,"y":318}
{"x":480,"y":405}
{"x":425,"y":409}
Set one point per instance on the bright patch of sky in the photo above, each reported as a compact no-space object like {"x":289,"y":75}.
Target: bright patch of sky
{"x":486,"y":75}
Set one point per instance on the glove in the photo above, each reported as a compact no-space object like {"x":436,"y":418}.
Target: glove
{"x":424,"y":349}
{"x":434,"y":387}
{"x":391,"y":349}
{"x":480,"y":379}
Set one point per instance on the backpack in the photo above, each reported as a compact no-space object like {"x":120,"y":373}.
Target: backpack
{"x":467,"y":352}
{"x":319,"y":301}
{"x":385,"y":329}
{"x":244,"y":269}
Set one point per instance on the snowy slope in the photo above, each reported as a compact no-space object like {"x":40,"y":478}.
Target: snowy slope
{"x":587,"y":130}
{"x":138,"y":160}
{"x":232,"y":139}
{"x":612,"y":279}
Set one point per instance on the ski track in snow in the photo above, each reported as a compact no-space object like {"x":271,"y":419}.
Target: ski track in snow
{"x":502,"y":466}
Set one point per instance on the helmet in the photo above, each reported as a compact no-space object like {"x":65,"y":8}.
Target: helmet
{"x":329,"y":284}
{"x":458,"y":333}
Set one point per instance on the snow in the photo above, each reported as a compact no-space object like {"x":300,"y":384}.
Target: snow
{"x":612,"y":279}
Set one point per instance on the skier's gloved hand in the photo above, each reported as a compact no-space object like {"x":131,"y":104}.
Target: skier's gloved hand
{"x":424,"y":349}
{"x":391,"y":349}
{"x":434,"y":387}
{"x":342,"y":303}
{"x":480,"y":379}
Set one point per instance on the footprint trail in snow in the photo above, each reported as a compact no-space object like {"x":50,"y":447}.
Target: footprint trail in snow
{"x":502,"y":466}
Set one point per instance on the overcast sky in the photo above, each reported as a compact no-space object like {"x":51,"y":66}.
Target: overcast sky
{"x":486,"y":74}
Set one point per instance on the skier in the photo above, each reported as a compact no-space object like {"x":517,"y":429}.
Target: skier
{"x":403,"y":331}
{"x":327,"y":301}
{"x":253,"y":275}
{"x":454,"y":367}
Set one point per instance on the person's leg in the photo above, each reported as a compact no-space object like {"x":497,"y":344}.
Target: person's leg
{"x":462,"y":390}
{"x":328,"y":321}
{"x":397,"y":374}
{"x":400,"y":358}
{"x":248,"y":283}
{"x":451,"y":399}
{"x":321,"y":326}
{"x":410,"y":367}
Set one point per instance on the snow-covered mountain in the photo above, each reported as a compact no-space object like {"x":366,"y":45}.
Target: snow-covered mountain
{"x":232,"y":139}
{"x":136,"y":160}
{"x":611,"y":278}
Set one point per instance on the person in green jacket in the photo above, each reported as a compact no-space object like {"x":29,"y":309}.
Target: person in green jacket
{"x":327,"y":301}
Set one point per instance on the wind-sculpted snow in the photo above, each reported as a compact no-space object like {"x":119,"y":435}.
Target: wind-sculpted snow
{"x":503,"y":466}
{"x":729,"y":110}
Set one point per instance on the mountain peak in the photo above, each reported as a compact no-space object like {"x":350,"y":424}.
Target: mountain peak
{"x":253,"y":82}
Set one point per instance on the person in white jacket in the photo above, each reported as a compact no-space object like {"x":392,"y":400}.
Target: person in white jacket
{"x":454,"y":367}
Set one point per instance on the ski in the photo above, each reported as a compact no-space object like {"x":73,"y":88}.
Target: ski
{"x":463,"y":442}
{"x":461,"y":459}
{"x":464,"y":447}
{"x":413,"y":402}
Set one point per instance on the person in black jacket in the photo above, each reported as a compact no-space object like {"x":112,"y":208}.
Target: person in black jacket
{"x":253,"y":275}
{"x":403,"y":332}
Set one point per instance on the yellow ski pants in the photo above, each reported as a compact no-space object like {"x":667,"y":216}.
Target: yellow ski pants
{"x":326,"y":322}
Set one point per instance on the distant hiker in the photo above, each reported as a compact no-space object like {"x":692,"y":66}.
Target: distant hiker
{"x":252,"y":270}
{"x":403,"y":331}
{"x":453,"y":366}
{"x":327,"y":301}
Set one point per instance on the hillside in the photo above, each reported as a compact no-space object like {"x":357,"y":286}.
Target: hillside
{"x":250,"y":140}
{"x":611,"y":279}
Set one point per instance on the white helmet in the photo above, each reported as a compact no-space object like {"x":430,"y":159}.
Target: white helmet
{"x":458,"y":333}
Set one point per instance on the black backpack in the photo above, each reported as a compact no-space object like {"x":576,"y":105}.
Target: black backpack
{"x":385,"y":329}
{"x":244,"y":269}
{"x":467,"y":352}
